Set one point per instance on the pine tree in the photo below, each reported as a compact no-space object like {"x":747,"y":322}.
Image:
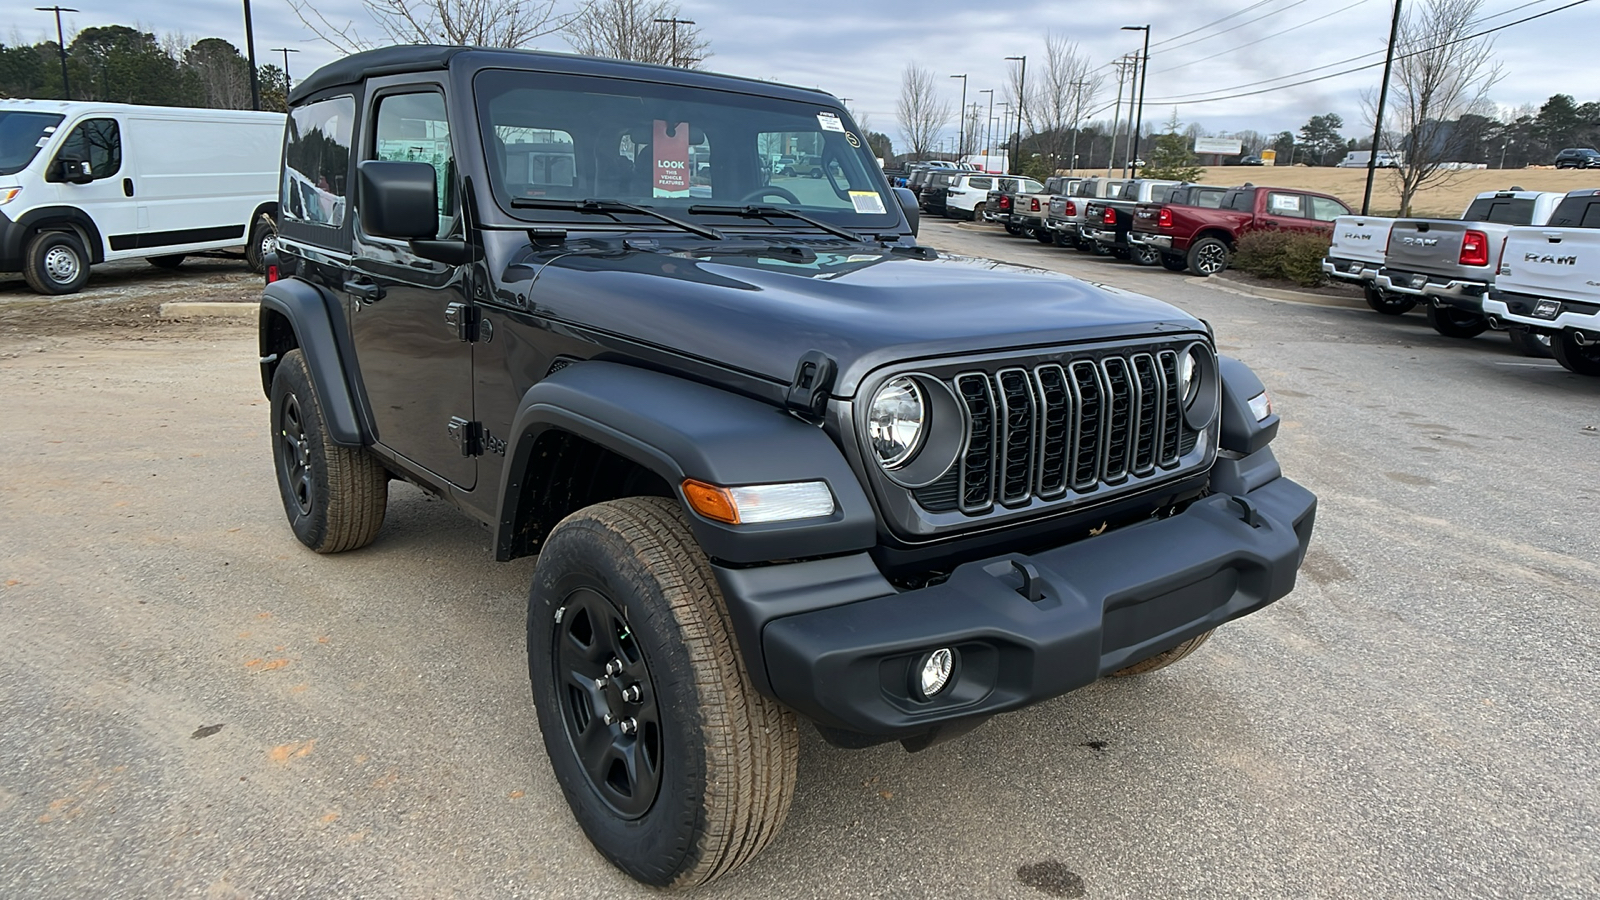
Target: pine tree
{"x":1172,"y":157}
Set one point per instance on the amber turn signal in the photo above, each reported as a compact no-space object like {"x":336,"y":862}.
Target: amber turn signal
{"x":715,"y":503}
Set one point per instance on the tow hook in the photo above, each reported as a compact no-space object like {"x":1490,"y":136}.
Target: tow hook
{"x":1248,"y":511}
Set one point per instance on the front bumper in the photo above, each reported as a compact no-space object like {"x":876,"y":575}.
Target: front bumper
{"x":1467,"y":295}
{"x":1350,"y":270}
{"x":1102,"y":604}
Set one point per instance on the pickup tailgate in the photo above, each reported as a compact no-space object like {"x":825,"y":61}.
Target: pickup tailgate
{"x":1432,"y":246}
{"x":1360,"y":238}
{"x":1554,"y":263}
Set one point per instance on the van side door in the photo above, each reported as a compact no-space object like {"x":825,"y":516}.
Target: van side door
{"x":411,"y":319}
{"x":96,"y":142}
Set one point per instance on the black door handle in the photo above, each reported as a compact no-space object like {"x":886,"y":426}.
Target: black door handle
{"x":365,"y":290}
{"x":127,"y":187}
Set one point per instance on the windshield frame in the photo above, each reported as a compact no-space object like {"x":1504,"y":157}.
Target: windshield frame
{"x":491,"y":82}
{"x":46,"y":133}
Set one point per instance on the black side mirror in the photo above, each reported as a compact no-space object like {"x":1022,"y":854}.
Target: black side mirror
{"x":398,"y":199}
{"x":74,"y":170}
{"x":908,"y":205}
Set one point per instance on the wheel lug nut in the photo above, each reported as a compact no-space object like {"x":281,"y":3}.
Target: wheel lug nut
{"x":629,"y":725}
{"x":609,"y":719}
{"x":600,"y":683}
{"x":631,"y":693}
{"x":614,"y":667}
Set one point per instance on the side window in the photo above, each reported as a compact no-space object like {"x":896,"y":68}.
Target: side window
{"x":1292,"y":205}
{"x":981,"y":184}
{"x":1209,"y":200}
{"x":413,"y":128}
{"x":1591,"y":216}
{"x":316,"y":162}
{"x":97,"y":142}
{"x":1325,"y":210}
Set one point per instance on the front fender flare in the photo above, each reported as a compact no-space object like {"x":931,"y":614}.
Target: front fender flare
{"x":684,"y":429}
{"x":309,"y":311}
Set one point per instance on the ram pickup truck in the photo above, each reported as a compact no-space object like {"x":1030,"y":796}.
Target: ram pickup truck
{"x":1549,"y":282}
{"x":775,"y":463}
{"x":1027,"y":212}
{"x":1035,"y":206}
{"x":1147,"y":217}
{"x":1109,"y":222}
{"x":1064,"y":217}
{"x":1356,"y":254}
{"x":1449,"y":263}
{"x":1203,"y":240}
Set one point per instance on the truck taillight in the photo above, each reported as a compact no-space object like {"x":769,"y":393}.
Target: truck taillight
{"x":1164,"y":220}
{"x":1071,"y":209}
{"x":1110,"y":218}
{"x":1475,"y":249}
{"x":1035,"y":204}
{"x":1005,"y":202}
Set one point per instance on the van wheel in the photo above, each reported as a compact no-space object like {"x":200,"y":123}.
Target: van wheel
{"x":1456,"y":323}
{"x":335,"y":497}
{"x":1575,"y":359}
{"x":166,"y":262}
{"x":1388,"y":304}
{"x":1529,"y":344}
{"x":1165,"y":658}
{"x":676,"y":768}
{"x":1208,"y":256}
{"x":263,"y":240}
{"x":55,"y":263}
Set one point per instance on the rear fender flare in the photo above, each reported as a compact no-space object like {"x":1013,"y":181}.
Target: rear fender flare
{"x":309,"y":311}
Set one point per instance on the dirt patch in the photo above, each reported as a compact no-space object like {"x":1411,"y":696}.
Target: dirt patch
{"x":123,"y":295}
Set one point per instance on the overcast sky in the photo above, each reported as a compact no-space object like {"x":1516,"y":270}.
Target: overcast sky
{"x":857,"y":49}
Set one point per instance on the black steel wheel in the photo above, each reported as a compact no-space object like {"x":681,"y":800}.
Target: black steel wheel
{"x":676,"y":768}
{"x":1456,"y":323}
{"x":1208,"y":256}
{"x":1580,"y":359}
{"x":1388,"y":304}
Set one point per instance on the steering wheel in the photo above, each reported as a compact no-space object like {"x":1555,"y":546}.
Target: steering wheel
{"x":770,"y":191}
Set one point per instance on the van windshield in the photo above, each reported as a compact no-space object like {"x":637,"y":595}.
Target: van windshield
{"x":552,"y":138}
{"x":21,"y":136}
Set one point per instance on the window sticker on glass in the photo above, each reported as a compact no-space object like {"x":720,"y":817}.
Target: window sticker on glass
{"x":868,"y":203}
{"x":830,"y":122}
{"x":1284,"y":203}
{"x":671,"y":152}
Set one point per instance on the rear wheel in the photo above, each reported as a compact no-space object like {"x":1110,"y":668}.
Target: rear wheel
{"x":1165,"y":658}
{"x":1388,"y":304}
{"x":1208,"y":256}
{"x":1145,"y":255}
{"x":1529,"y":344}
{"x":1172,"y":262}
{"x":1456,"y":323}
{"x":1580,"y":360}
{"x":263,"y":240}
{"x":1044,"y":236}
{"x":977,"y":212}
{"x":55,"y":263}
{"x":1013,"y":229}
{"x":166,"y":262}
{"x":676,"y":768}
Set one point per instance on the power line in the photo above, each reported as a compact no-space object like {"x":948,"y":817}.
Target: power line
{"x":1267,"y":38}
{"x":1225,"y":18}
{"x":1266,"y":15}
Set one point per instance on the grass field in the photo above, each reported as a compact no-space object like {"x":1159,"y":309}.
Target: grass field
{"x":1445,"y":198}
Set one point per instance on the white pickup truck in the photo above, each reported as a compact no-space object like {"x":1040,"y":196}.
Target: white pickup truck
{"x":1549,"y":282}
{"x":1356,"y":255}
{"x":1450,"y":263}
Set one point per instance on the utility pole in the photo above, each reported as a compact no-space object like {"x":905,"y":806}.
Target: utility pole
{"x":287,"y":81}
{"x":988,"y":132}
{"x":674,"y":22}
{"x":1377,"y":126}
{"x":250,"y":47}
{"x":1144,"y":72}
{"x":61,"y":44}
{"x":1022,"y":99}
{"x":1116,"y":117}
{"x":1077,"y":120}
{"x":961,"y":127}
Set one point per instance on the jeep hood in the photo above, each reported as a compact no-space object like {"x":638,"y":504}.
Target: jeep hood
{"x":759,"y":310}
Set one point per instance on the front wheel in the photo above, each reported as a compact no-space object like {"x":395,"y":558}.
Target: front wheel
{"x":1579,"y":359}
{"x":1388,"y":304}
{"x":676,"y":768}
{"x":1208,"y":256}
{"x":1165,"y":658}
{"x":1456,"y":323}
{"x":55,"y":263}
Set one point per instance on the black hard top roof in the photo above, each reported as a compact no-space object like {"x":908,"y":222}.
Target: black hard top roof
{"x":425,"y":57}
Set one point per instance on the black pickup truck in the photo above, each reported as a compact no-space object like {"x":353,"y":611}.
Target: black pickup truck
{"x":1108,"y":222}
{"x":775,"y":462}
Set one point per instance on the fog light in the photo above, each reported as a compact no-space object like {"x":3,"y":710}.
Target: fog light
{"x":934,"y":672}
{"x":1547,"y":309}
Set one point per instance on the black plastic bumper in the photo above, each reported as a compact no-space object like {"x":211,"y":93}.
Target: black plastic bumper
{"x":1103,"y":604}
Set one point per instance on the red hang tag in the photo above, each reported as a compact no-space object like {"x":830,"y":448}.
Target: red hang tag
{"x":671,"y":154}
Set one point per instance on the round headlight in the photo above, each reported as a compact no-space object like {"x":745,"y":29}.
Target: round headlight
{"x":1188,"y":384}
{"x":895,"y":421}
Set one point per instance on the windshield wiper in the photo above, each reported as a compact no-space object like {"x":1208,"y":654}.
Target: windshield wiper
{"x":612,"y":207}
{"x":769,"y":212}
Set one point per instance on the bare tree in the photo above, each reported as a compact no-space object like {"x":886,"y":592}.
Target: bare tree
{"x":1059,"y":97}
{"x":632,"y":29}
{"x":973,"y":130}
{"x":1439,"y":76}
{"x":473,"y":23}
{"x":923,"y":115}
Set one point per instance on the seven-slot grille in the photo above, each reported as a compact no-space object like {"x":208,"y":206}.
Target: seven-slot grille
{"x":1074,"y":426}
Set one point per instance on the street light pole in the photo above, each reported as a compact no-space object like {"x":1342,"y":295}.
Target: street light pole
{"x":61,"y":44}
{"x":674,"y":22}
{"x":1022,"y":97}
{"x":1383,"y":95}
{"x":1077,"y":116}
{"x":288,"y":82}
{"x":961,"y":127}
{"x":1144,"y":73}
{"x":250,"y":47}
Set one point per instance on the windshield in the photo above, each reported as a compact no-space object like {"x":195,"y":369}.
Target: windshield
{"x":21,"y":136}
{"x":670,"y":147}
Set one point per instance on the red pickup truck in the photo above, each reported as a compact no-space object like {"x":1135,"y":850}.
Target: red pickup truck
{"x":1203,"y":240}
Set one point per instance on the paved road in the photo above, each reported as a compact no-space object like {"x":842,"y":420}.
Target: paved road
{"x":192,"y":705}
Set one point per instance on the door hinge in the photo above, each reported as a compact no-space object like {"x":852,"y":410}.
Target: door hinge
{"x":813,"y":379}
{"x":465,"y":319}
{"x":466,"y":435}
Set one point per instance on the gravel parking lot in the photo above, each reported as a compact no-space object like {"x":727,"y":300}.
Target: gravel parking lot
{"x":192,"y":705}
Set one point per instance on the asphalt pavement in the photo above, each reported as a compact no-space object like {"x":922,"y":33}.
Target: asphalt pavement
{"x":192,"y":705}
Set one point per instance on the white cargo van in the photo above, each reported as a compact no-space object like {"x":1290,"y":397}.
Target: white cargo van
{"x":84,"y":183}
{"x":1358,"y":159}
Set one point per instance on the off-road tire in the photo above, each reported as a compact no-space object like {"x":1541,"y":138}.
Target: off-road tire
{"x":1173,"y":262}
{"x":1208,"y":256}
{"x":55,"y":263}
{"x":166,"y":262}
{"x":1388,"y":304}
{"x":726,"y":754}
{"x":977,"y":213}
{"x":335,"y":497}
{"x":262,"y":233}
{"x":1456,"y":323}
{"x":1527,"y":343}
{"x":1575,"y":359}
{"x":1145,"y":255}
{"x":1165,"y":658}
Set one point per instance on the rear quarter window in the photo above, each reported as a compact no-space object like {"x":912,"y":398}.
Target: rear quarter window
{"x":316,"y":162}
{"x":1500,"y":210}
{"x":1577,"y":212}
